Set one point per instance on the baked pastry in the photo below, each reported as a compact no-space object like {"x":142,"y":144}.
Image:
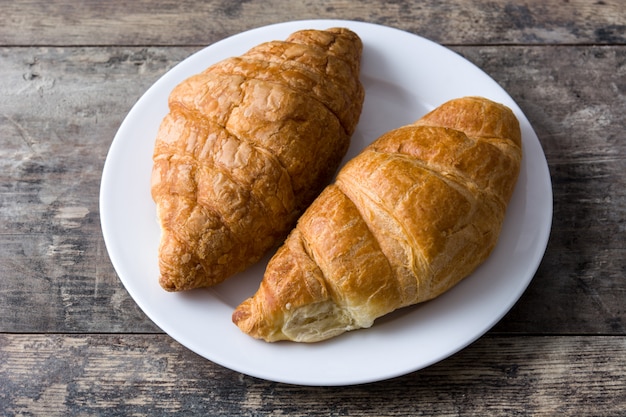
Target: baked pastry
{"x":409,"y":217}
{"x":247,"y":145}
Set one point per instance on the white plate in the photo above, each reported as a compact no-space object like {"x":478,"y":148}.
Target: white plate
{"x":404,"y":76}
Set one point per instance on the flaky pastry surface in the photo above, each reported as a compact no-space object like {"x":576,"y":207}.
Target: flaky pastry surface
{"x":408,"y":218}
{"x":247,"y":145}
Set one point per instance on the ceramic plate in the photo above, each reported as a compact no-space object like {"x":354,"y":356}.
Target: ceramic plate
{"x":404,"y":76}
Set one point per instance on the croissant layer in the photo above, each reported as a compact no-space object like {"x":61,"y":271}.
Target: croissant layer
{"x":408,"y":218}
{"x":247,"y":145}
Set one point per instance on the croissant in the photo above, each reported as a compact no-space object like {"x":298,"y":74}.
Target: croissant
{"x":409,"y":217}
{"x":246,"y":146}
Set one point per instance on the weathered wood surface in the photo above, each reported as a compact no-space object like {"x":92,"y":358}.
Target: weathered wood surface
{"x":110,"y":375}
{"x":72,"y":341}
{"x":189,"y":22}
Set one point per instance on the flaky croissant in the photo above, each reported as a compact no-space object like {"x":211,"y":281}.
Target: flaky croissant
{"x":408,"y":218}
{"x":247,"y":145}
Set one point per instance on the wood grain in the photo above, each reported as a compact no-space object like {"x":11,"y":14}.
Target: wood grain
{"x":109,"y":375}
{"x":59,"y":112}
{"x":188,"y":22}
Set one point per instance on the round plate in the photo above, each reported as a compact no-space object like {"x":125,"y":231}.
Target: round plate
{"x":404,"y":76}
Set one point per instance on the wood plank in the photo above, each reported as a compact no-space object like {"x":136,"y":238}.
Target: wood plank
{"x":188,"y":22}
{"x":61,"y":108}
{"x":59,"y":112}
{"x":147,"y":375}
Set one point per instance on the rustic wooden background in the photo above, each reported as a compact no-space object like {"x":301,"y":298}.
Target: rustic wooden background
{"x":73,"y":342}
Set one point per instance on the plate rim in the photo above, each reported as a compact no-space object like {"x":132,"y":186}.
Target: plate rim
{"x":300,"y":380}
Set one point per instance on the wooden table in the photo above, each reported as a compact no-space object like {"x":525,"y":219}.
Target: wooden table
{"x":73,"y":342}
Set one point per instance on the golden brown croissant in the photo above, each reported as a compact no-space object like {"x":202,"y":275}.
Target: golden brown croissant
{"x":409,"y":217}
{"x":247,"y":145}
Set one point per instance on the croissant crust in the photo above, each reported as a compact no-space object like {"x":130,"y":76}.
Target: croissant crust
{"x":408,"y":218}
{"x":247,"y":145}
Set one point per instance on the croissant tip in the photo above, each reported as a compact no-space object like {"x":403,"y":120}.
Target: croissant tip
{"x":168,"y":284}
{"x":168,"y":287}
{"x":242,"y":316}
